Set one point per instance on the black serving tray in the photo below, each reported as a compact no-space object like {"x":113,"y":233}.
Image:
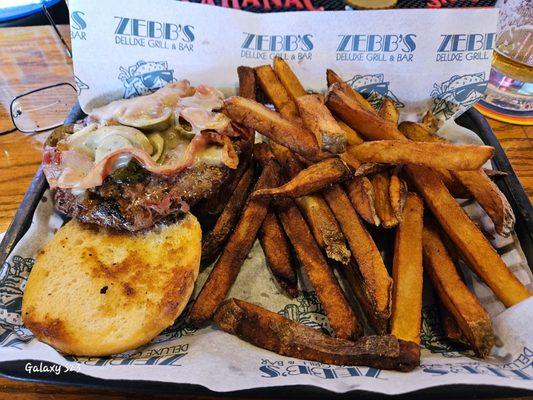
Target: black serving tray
{"x":509,"y":185}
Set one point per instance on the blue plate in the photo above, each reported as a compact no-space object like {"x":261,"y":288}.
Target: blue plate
{"x":8,"y":13}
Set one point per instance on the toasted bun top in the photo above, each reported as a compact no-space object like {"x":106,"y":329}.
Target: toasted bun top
{"x":98,"y":292}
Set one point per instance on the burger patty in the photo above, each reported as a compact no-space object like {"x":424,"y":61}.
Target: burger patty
{"x":138,"y":202}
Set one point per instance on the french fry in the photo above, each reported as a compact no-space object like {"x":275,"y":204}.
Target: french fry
{"x":352,"y":137}
{"x":418,"y":133}
{"x":477,"y":183}
{"x":397,"y":194}
{"x":278,"y":254}
{"x":475,"y":248}
{"x":430,"y":121}
{"x":288,"y":78}
{"x":450,"y":328}
{"x":376,"y":282}
{"x":317,"y":118}
{"x":490,"y":198}
{"x":361,"y":193}
{"x":469,"y":314}
{"x":323,"y":224}
{"x":341,"y":316}
{"x":388,"y":111}
{"x":310,"y":180}
{"x":332,"y":78}
{"x":275,"y":91}
{"x":276,"y":333}
{"x":256,"y":116}
{"x":215,"y":238}
{"x":434,"y":155}
{"x":365,"y":122}
{"x":237,"y":248}
{"x":381,"y":185}
{"x":247,"y":82}
{"x":407,"y":273}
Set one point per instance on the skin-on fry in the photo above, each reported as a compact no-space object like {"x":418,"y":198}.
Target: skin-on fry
{"x":397,"y":194}
{"x":288,"y":78}
{"x":365,"y":122}
{"x":278,"y":254}
{"x":256,"y":116}
{"x":490,"y":198}
{"x":388,"y":111}
{"x":376,"y":282}
{"x":310,"y":180}
{"x":434,"y":155}
{"x":332,"y":78}
{"x":430,"y":121}
{"x":276,"y":333}
{"x":339,"y":312}
{"x":276,"y":92}
{"x":352,"y":137}
{"x":247,"y":82}
{"x":475,"y":248}
{"x":407,"y":273}
{"x":237,"y":248}
{"x":381,"y":185}
{"x":317,"y":118}
{"x":418,"y":133}
{"x":450,"y":328}
{"x":323,"y":224}
{"x":361,"y":193}
{"x":469,"y":314}
{"x":215,"y":239}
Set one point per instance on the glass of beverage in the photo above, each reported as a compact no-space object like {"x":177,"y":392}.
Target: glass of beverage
{"x":509,"y":94}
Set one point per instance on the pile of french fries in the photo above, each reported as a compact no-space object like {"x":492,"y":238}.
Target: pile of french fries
{"x":331,"y":167}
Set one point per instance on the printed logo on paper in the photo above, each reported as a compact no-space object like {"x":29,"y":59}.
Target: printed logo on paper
{"x":374,"y":87}
{"x":154,"y":34}
{"x":393,"y":48}
{"x":266,"y":47}
{"x":80,"y":85}
{"x":145,"y":77}
{"x":460,"y":91}
{"x":309,"y":312}
{"x":78,"y":25}
{"x":291,"y":368}
{"x":465,"y":47}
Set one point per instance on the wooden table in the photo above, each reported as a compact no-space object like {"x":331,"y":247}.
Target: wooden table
{"x":34,"y":57}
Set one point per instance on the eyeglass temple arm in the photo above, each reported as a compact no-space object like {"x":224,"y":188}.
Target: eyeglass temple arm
{"x":51,"y":20}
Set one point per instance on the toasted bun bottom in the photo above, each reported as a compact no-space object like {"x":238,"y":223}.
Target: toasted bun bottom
{"x":95,"y":292}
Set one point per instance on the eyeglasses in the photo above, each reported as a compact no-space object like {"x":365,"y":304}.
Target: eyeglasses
{"x":44,"y":108}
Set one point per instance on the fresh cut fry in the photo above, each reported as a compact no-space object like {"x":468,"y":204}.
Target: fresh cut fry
{"x":310,"y":180}
{"x":352,"y":137}
{"x":215,"y":238}
{"x":397,"y":194}
{"x":375,"y":280}
{"x":332,"y":78}
{"x":276,"y":333}
{"x":247,"y":82}
{"x":469,"y":314}
{"x":318,"y":215}
{"x":419,"y":133}
{"x":365,"y":122}
{"x":490,"y":198}
{"x":237,"y":248}
{"x":361,"y":193}
{"x":339,"y":312}
{"x":278,"y":254}
{"x":434,"y":155}
{"x":388,"y":111}
{"x":275,"y":91}
{"x":475,"y":248}
{"x":450,"y":328}
{"x":381,"y":185}
{"x":407,"y":273}
{"x":269,"y":123}
{"x":288,"y":78}
{"x":317,"y":118}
